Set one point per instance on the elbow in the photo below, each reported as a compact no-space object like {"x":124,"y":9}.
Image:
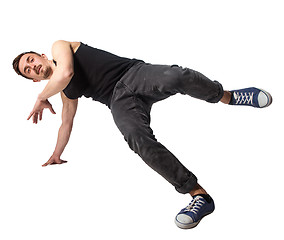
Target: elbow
{"x":66,"y":77}
{"x":68,"y":74}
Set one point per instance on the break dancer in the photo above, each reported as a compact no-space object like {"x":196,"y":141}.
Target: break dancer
{"x":129,"y":87}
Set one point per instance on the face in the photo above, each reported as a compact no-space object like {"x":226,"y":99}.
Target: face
{"x":35,"y":67}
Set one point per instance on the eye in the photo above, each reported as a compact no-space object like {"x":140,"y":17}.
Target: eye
{"x":28,"y":70}
{"x":32,"y":60}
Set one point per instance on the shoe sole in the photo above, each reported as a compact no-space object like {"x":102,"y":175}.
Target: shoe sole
{"x":268,"y":95}
{"x":191,"y":225}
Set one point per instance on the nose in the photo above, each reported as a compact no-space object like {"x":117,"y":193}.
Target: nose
{"x":33,"y":67}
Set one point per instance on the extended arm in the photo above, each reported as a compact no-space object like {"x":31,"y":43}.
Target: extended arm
{"x":63,"y":54}
{"x":68,"y":114}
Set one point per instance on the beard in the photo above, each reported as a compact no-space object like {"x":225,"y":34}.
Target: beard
{"x":47,"y":72}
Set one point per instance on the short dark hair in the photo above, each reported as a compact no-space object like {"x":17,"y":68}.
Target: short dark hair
{"x":17,"y":60}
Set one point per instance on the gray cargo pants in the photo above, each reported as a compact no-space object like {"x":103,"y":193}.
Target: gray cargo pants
{"x":133,"y":97}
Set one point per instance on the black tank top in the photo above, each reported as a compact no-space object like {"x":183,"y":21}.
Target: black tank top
{"x":96,"y":73}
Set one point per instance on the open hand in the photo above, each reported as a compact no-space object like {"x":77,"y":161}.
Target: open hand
{"x":54,"y":160}
{"x":37,"y":111}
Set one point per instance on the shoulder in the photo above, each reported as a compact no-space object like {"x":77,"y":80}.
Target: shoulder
{"x":59,"y":45}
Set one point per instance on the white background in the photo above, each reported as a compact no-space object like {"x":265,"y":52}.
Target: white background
{"x":106,"y":191}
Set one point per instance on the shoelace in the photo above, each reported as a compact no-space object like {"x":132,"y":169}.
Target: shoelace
{"x":195,"y":205}
{"x":243,"y":98}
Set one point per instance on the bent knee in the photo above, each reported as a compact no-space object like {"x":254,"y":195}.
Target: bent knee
{"x":171,"y":82}
{"x":138,"y":138}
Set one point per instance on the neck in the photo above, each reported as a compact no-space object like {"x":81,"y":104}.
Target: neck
{"x":52,"y":64}
{"x":53,"y":67}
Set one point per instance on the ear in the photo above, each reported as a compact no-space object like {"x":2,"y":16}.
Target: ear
{"x":44,"y":56}
{"x":35,"y":80}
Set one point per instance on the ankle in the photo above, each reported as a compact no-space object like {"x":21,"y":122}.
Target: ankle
{"x":197,"y":190}
{"x":226,"y":97}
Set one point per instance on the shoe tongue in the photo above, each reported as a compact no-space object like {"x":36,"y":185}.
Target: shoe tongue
{"x":205,"y":197}
{"x":197,"y":197}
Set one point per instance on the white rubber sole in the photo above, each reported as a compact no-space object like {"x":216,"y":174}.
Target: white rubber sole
{"x":190,"y":225}
{"x":269,"y":99}
{"x":186,"y":226}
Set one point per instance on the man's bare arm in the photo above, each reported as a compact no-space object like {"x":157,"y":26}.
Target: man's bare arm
{"x":63,"y":54}
{"x":68,"y":114}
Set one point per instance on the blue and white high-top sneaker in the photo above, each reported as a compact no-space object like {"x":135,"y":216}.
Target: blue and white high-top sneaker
{"x":190,"y":216}
{"x":251,"y":97}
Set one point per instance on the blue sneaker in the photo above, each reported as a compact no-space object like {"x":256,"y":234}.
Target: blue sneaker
{"x":190,"y":216}
{"x":251,"y":97}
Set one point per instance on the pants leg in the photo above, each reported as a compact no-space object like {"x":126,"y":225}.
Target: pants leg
{"x":157,"y":82}
{"x":143,"y":85}
{"x":132,"y":116}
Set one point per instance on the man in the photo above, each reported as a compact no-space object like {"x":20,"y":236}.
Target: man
{"x":129,"y":87}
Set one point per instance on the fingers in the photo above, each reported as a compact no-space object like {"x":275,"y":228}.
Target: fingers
{"x":48,"y":162}
{"x":44,"y":165}
{"x":53,"y":162}
{"x":34,"y":115}
{"x":50,"y":106}
{"x":40,"y":115}
{"x":59,"y":162}
{"x":38,"y":111}
{"x":35,"y":118}
{"x":51,"y":109}
{"x":30,"y":115}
